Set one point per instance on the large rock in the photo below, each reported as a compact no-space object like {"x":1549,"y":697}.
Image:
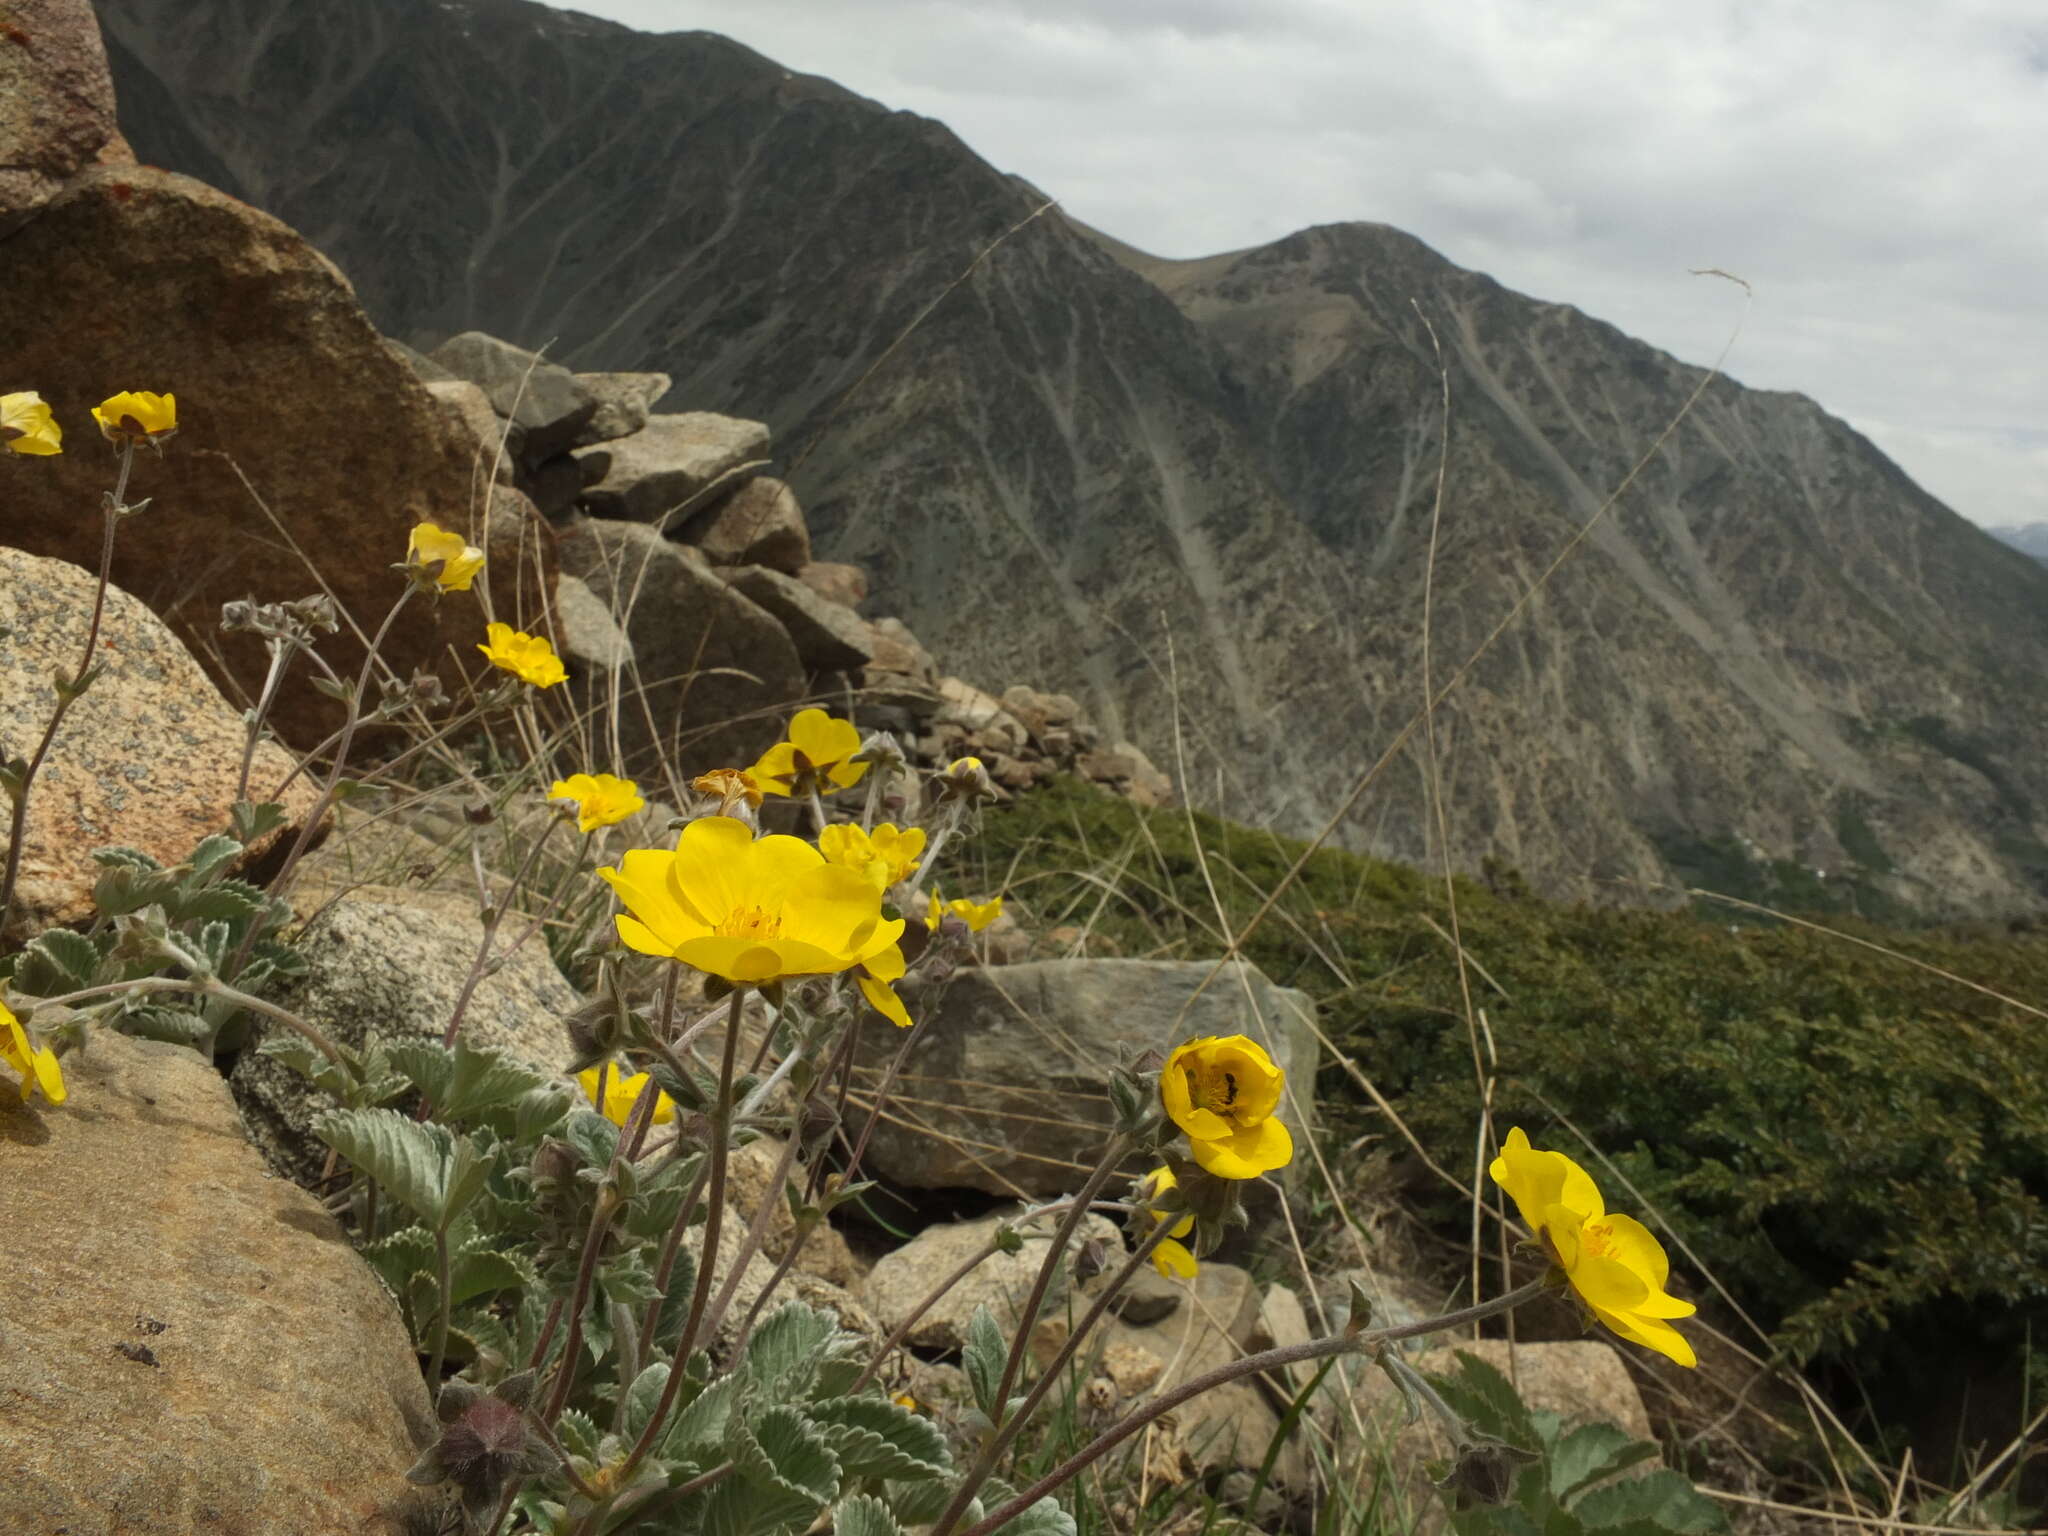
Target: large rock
{"x":392,"y":964}
{"x":56,"y":103}
{"x":661,"y":473}
{"x":761,"y":523}
{"x":150,"y":757}
{"x":188,"y":1344}
{"x":1006,"y":1087}
{"x":713,"y":677}
{"x":1001,"y":1282}
{"x":547,"y":403}
{"x":145,"y":280}
{"x":624,"y":401}
{"x":846,"y":585}
{"x":827,"y":637}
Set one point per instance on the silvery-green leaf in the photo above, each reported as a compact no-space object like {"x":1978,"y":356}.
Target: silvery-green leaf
{"x":864,"y":1515}
{"x":986,"y":1354}
{"x":873,"y":1437}
{"x":407,"y":1159}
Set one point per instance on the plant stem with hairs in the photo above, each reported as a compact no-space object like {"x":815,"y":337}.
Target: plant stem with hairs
{"x":68,"y":693}
{"x":714,"y":1218}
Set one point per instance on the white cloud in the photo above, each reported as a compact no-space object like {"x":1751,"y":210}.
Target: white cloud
{"x":1873,"y":167}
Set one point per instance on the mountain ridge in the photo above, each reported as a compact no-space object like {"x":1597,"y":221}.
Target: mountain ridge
{"x":1084,"y":450}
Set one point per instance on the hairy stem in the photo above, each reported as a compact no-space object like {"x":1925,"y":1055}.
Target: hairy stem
{"x":714,"y":1219}
{"x":67,"y":695}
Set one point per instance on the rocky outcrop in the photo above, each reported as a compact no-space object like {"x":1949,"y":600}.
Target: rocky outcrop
{"x":149,"y":758}
{"x":1005,"y":1088}
{"x":56,"y":103}
{"x":187,"y":1343}
{"x":302,"y":438}
{"x":391,"y":965}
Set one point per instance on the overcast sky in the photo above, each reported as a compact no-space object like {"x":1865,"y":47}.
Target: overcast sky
{"x":1877,"y":169}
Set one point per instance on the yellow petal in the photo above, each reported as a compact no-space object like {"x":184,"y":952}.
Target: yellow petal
{"x":1174,"y":1261}
{"x":883,"y":999}
{"x":776,"y":770}
{"x":711,"y":866}
{"x":1245,"y":1154}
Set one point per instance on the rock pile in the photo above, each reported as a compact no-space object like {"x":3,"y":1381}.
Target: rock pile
{"x":689,"y":596}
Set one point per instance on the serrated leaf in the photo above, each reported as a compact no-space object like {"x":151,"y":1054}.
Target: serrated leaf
{"x":785,"y":1462}
{"x":400,"y":1256}
{"x":578,"y":1435}
{"x":642,"y":1398}
{"x":230,"y":901}
{"x":1663,"y":1498}
{"x":787,"y":1350}
{"x":484,"y":1080}
{"x":698,"y":1427}
{"x":408,"y":1159}
{"x":1045,"y":1518}
{"x":175,"y":1026}
{"x":535,"y":1114}
{"x":252,"y":821}
{"x":985,"y":1356}
{"x":1484,"y":1396}
{"x":864,"y":1515}
{"x":122,"y":889}
{"x":485,"y":1272}
{"x":873,"y":1437}
{"x":1592,"y":1452}
{"x":919,"y":1503}
{"x":595,"y":1137}
{"x":56,"y":962}
{"x":115,"y":856}
{"x":627,"y":1279}
{"x":212,"y":855}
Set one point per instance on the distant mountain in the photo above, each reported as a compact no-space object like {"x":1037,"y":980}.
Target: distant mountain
{"x":2027,"y":538}
{"x":1198,"y":492}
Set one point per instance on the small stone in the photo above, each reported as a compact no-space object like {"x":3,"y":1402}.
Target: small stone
{"x":827,"y":637}
{"x":758,"y":524}
{"x":624,"y":401}
{"x":893,"y":649}
{"x":543,"y":399}
{"x":663,"y":473}
{"x":846,"y":585}
{"x":966,"y":706}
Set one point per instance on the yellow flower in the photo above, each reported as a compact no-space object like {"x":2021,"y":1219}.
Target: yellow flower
{"x":976,"y":917}
{"x":137,"y":416}
{"x":622,"y":1093}
{"x":602,"y":799}
{"x":884,"y":855}
{"x":1617,"y":1268}
{"x":527,"y":657}
{"x":880,"y":968}
{"x":966,"y":779}
{"x":26,"y":425}
{"x":1222,"y":1092}
{"x":36,"y":1064}
{"x":817,"y":751}
{"x":750,"y":909}
{"x":1171,"y":1258}
{"x":732,"y":786}
{"x":443,"y":558}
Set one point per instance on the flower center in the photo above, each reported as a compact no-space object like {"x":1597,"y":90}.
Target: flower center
{"x":750,"y":923}
{"x":1213,"y":1089}
{"x":1596,"y":1239}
